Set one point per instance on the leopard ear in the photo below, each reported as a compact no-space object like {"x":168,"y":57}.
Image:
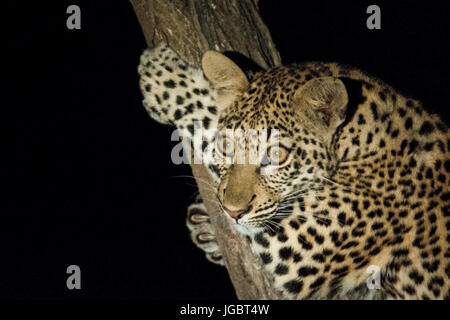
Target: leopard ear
{"x":228,"y":79}
{"x":321,"y":103}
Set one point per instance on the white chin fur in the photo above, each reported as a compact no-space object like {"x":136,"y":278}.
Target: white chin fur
{"x":244,"y":229}
{"x":249,"y":231}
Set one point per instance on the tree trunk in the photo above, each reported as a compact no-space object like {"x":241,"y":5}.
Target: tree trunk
{"x":192,"y":27}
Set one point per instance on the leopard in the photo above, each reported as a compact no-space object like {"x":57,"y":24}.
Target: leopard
{"x":354,"y":203}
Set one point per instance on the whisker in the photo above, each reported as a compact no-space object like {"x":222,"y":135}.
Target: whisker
{"x":206,"y":182}
{"x":193,"y":195}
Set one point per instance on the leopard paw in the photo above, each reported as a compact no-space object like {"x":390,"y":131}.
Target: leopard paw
{"x":202,"y":233}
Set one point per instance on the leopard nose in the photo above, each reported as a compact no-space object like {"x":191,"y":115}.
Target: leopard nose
{"x":235,"y":214}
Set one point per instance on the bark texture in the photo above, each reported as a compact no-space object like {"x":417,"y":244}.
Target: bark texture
{"x":192,"y":27}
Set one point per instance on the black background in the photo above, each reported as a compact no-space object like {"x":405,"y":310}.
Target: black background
{"x":88,"y":178}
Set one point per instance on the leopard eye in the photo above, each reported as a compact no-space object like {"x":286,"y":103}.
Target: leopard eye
{"x":225,"y":145}
{"x":277,"y":156}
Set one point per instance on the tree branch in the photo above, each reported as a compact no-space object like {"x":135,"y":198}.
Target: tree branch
{"x":192,"y":27}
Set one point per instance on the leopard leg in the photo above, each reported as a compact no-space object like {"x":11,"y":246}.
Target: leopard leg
{"x":202,"y":233}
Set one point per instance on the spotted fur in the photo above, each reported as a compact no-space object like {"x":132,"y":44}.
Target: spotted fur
{"x":366,"y":185}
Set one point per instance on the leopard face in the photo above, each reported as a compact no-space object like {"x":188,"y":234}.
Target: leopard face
{"x":290,"y":158}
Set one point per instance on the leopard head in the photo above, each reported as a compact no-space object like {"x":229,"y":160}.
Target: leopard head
{"x":275,"y":134}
